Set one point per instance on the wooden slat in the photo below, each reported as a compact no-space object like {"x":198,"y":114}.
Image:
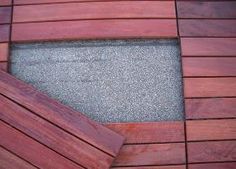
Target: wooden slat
{"x":211,"y":129}
{"x":210,"y":108}
{"x":95,"y":29}
{"x":32,"y":151}
{"x":213,"y":66}
{"x":210,"y":87}
{"x":149,"y":132}
{"x":4,"y":66}
{"x":151,"y":154}
{"x":52,"y":136}
{"x":208,"y":46}
{"x":4,"y":33}
{"x":225,"y":165}
{"x":95,"y":10}
{"x":5,"y":15}
{"x":9,"y":160}
{"x":207,"y":28}
{"x":68,"y":119}
{"x":211,"y":151}
{"x":4,"y":48}
{"x":209,"y":9}
{"x":5,"y":2}
{"x":153,"y":167}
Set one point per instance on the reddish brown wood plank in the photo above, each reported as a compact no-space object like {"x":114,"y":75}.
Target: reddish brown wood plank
{"x":209,"y":87}
{"x":211,"y":129}
{"x":4,"y":33}
{"x":9,"y":160}
{"x":32,"y":151}
{"x":210,"y":108}
{"x":156,"y":132}
{"x":212,"y":66}
{"x":207,"y":28}
{"x":153,"y":167}
{"x":151,"y":154}
{"x":209,"y":9}
{"x":208,"y":46}
{"x":4,"y":48}
{"x":52,"y":136}
{"x":5,"y":2}
{"x":68,"y":119}
{"x":225,"y":165}
{"x":95,"y":10}
{"x":5,"y":15}
{"x":95,"y":29}
{"x":4,"y":66}
{"x":212,"y":151}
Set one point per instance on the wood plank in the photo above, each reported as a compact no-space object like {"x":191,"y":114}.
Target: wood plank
{"x":95,"y":29}
{"x":4,"y":51}
{"x":32,"y":151}
{"x":198,"y":130}
{"x":208,"y":66}
{"x":52,"y":136}
{"x":225,"y":165}
{"x":64,"y":117}
{"x":207,"y":28}
{"x":210,"y":87}
{"x":5,"y":15}
{"x":5,"y":2}
{"x":9,"y":160}
{"x":156,"y":132}
{"x":153,"y":167}
{"x":95,"y":10}
{"x":4,"y":66}
{"x":212,"y":151}
{"x":207,"y":9}
{"x":208,"y":46}
{"x":151,"y":154}
{"x":210,"y":108}
{"x":4,"y":33}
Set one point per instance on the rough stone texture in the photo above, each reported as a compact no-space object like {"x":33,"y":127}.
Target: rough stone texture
{"x":110,"y":81}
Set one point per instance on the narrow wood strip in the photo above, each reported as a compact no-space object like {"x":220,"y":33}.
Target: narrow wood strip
{"x":211,"y":151}
{"x":53,"y":137}
{"x":210,"y":108}
{"x":198,"y":130}
{"x":31,"y":150}
{"x":9,"y":160}
{"x":225,"y":165}
{"x":68,"y":119}
{"x":4,"y":51}
{"x":207,"y":28}
{"x":209,"y":87}
{"x":95,"y":29}
{"x":197,"y":9}
{"x":5,"y":2}
{"x":95,"y":10}
{"x":4,"y":33}
{"x":156,"y":132}
{"x":4,"y":66}
{"x":5,"y":15}
{"x":151,"y":154}
{"x":154,"y":167}
{"x":203,"y":66}
{"x":208,"y":46}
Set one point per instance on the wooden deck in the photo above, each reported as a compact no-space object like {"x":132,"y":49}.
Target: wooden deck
{"x":32,"y":137}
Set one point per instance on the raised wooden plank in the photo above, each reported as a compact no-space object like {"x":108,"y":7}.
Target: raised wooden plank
{"x":64,"y":117}
{"x":225,"y":165}
{"x":212,"y":66}
{"x":4,"y":49}
{"x":52,"y":136}
{"x":207,"y":9}
{"x":95,"y":29}
{"x":151,"y":154}
{"x":207,"y":28}
{"x":9,"y":160}
{"x":156,"y":132}
{"x":95,"y":10}
{"x":210,"y":108}
{"x":208,"y":46}
{"x":5,"y":15}
{"x":210,"y":87}
{"x":4,"y":66}
{"x":4,"y":33}
{"x":5,"y":2}
{"x":153,"y":167}
{"x":31,"y":150}
{"x":218,"y":151}
{"x":198,"y":130}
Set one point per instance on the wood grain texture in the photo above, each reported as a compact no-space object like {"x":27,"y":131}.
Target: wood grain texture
{"x":9,"y":160}
{"x":198,"y":130}
{"x":225,"y":165}
{"x":4,"y":33}
{"x":5,"y":15}
{"x":149,"y":132}
{"x":208,"y":46}
{"x":210,"y":108}
{"x":207,"y":28}
{"x":209,"y":87}
{"x":154,"y":167}
{"x":212,"y":66}
{"x":212,"y":151}
{"x":95,"y":29}
{"x":4,"y":66}
{"x":5,"y":2}
{"x":52,"y":136}
{"x":95,"y":10}
{"x":32,"y":151}
{"x":208,"y":9}
{"x":4,"y":51}
{"x":151,"y":154}
{"x":64,"y":117}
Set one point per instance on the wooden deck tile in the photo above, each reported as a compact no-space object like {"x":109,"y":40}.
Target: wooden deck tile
{"x":4,"y":33}
{"x":4,"y":51}
{"x":5,"y":2}
{"x":4,"y":66}
{"x":154,"y":167}
{"x":225,"y":165}
{"x":5,"y":15}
